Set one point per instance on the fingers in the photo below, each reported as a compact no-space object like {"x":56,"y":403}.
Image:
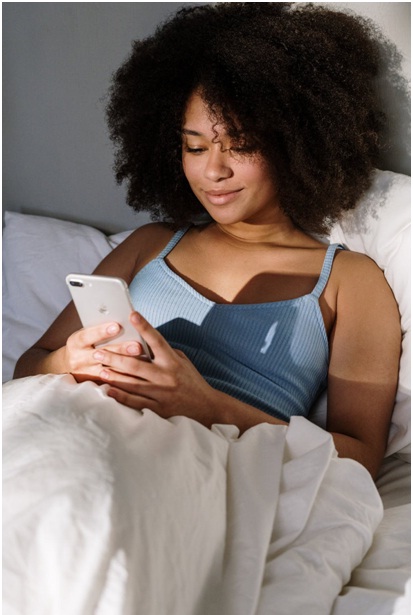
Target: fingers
{"x":96,"y":336}
{"x":136,"y":402}
{"x":91,"y":336}
{"x":80,"y":347}
{"x":120,"y":363}
{"x":159,"y":346}
{"x":132,"y":348}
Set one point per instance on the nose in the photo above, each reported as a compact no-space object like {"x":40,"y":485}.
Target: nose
{"x":218,"y":165}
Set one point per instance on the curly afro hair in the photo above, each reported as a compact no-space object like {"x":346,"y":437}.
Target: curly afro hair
{"x":298,"y":79}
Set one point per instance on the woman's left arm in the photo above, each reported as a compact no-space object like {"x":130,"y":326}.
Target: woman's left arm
{"x":365,"y":347}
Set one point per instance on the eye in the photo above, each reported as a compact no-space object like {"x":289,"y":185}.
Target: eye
{"x":194,"y":150}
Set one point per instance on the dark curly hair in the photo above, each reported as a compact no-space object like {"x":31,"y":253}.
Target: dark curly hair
{"x":298,"y":79}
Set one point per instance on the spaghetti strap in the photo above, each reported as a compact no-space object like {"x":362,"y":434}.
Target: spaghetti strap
{"x":326,"y":270}
{"x":172,"y":243}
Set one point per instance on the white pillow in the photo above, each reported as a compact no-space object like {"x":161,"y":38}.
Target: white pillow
{"x":38,"y":253}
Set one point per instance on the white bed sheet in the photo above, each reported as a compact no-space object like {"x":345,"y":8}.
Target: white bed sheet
{"x":112,"y":512}
{"x":382,"y":582}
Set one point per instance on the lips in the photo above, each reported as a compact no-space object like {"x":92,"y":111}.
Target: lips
{"x":221,"y":197}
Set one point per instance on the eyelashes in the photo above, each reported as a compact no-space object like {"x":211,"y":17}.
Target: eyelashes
{"x":193,"y":150}
{"x":199,"y":150}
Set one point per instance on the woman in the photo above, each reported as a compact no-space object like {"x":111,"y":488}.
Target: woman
{"x":264,"y":117}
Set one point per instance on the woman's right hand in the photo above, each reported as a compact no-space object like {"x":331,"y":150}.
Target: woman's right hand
{"x":79,"y":353}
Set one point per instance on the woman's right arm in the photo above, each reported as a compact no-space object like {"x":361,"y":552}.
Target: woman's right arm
{"x":67,"y":348}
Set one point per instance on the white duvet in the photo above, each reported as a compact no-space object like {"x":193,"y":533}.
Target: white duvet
{"x":108,"y":511}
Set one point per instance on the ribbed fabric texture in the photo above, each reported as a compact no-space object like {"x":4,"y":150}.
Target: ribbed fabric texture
{"x":273,"y":356}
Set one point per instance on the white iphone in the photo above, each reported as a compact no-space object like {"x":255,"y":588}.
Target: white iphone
{"x":100,"y":299}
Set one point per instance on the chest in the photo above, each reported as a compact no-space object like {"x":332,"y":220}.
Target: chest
{"x":239,"y":277}
{"x":251,"y":276}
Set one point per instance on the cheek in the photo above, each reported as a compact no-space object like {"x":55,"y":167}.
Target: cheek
{"x":258,"y":174}
{"x":252,"y":174}
{"x":190,"y":168}
{"x":184,"y":161}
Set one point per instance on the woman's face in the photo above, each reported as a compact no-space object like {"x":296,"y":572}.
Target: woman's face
{"x":231,"y":185}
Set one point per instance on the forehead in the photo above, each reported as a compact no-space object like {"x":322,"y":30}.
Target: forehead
{"x":198,"y":118}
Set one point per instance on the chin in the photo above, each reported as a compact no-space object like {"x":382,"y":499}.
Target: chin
{"x":228,"y":220}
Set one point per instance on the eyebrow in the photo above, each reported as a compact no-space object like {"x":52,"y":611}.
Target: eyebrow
{"x":194,"y":133}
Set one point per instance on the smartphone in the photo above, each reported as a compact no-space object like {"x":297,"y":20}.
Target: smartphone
{"x":100,"y":299}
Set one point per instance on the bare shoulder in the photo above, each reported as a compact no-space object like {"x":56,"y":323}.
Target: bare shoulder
{"x":349,"y":259}
{"x":363,"y":293}
{"x":140,"y":247}
{"x":355,"y":270}
{"x":149,"y":239}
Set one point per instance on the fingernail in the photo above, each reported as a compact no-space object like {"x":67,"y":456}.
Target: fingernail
{"x":104,"y":374}
{"x":133,"y":349}
{"x":112,"y":329}
{"x":136,"y":318}
{"x":99,"y":356}
{"x":112,"y":393}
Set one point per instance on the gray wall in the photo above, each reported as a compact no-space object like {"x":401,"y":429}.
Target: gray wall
{"x":57,"y":63}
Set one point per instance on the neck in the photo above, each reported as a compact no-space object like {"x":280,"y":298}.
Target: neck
{"x":280,"y":233}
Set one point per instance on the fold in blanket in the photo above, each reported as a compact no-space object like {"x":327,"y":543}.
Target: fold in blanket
{"x":117,"y":512}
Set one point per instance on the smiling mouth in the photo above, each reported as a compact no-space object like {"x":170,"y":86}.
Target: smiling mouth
{"x":221,"y":197}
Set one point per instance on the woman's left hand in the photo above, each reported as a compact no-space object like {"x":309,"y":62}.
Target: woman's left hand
{"x":169,"y":385}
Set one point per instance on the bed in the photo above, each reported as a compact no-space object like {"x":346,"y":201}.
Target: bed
{"x":111,"y":511}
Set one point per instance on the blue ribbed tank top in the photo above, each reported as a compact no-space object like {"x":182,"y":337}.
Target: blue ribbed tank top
{"x":273,"y":356}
